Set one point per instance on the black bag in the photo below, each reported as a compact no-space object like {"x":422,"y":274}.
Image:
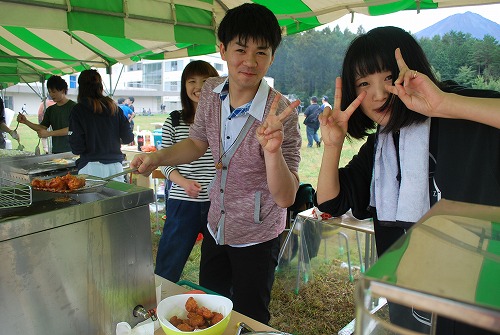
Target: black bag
{"x":312,"y":119}
{"x":175,"y":116}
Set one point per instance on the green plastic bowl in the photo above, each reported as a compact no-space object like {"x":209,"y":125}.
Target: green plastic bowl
{"x":175,"y":305}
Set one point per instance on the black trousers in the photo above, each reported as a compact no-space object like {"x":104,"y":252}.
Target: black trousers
{"x":244,"y":275}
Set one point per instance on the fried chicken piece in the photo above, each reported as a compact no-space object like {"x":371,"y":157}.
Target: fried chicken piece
{"x":174,"y":320}
{"x":75,"y":182}
{"x":185,"y":327}
{"x":205,"y":312}
{"x":57,"y":184}
{"x":39,"y":183}
{"x":67,"y":177}
{"x":217,"y":317}
{"x":196,"y":320}
{"x":191,"y":305}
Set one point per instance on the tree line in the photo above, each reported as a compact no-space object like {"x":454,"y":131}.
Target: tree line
{"x":306,"y":64}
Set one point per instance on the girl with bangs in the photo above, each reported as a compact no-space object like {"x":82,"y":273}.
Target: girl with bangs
{"x":409,"y":160}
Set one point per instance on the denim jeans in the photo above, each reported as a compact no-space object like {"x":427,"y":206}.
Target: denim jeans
{"x":185,"y":219}
{"x":312,"y":135}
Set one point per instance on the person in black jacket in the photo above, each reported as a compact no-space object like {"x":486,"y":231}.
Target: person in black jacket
{"x":97,"y":128}
{"x":312,"y":122}
{"x":409,"y":160}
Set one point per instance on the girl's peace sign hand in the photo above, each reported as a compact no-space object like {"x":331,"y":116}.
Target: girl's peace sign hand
{"x":333,"y":122}
{"x":416,"y":90}
{"x":270,"y":133}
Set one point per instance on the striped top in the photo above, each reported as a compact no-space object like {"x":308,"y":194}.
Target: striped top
{"x":202,"y":170}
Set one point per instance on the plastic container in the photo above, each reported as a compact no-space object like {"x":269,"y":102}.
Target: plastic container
{"x":157,"y":138}
{"x":140,"y":142}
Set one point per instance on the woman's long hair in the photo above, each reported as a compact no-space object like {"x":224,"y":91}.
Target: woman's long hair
{"x":374,"y":52}
{"x":195,"y":68}
{"x":90,"y":93}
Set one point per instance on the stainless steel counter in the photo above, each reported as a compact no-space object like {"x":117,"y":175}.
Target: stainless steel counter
{"x":76,"y":263}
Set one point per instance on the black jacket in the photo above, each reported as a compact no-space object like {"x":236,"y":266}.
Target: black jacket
{"x":466,"y":166}
{"x":98,"y":137}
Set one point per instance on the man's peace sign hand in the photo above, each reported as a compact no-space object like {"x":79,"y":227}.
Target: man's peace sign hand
{"x":270,"y":133}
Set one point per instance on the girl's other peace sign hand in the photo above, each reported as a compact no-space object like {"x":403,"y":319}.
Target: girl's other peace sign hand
{"x":333,"y":122}
{"x":270,"y":133}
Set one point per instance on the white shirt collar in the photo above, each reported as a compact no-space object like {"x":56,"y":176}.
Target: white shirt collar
{"x":259,"y":101}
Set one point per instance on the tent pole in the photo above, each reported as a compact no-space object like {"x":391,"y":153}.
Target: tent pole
{"x":110,"y":73}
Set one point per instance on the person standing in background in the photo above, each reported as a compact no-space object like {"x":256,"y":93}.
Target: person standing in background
{"x":127,"y":111}
{"x":130,"y":103}
{"x":41,"y":112}
{"x":97,"y":129}
{"x":4,"y":128}
{"x":56,"y":116}
{"x":325,"y":103}
{"x":312,"y":123}
{"x":187,"y":204}
{"x":254,"y":136}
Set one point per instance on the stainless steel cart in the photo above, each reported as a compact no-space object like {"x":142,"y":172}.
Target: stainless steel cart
{"x":76,"y":263}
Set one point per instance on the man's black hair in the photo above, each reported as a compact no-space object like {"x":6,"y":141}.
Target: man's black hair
{"x":57,"y":83}
{"x":250,"y":21}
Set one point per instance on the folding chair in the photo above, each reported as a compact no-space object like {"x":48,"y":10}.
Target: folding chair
{"x":303,"y":200}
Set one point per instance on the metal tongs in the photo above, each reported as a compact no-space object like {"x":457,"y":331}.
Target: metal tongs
{"x":243,"y":328}
{"x":93,"y":183}
{"x":20,"y":147}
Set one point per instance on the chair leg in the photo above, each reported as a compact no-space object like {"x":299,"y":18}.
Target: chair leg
{"x":351,"y":277}
{"x":290,"y":232}
{"x":362,"y":267}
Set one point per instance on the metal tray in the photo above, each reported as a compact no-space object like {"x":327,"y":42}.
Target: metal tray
{"x":14,"y":194}
{"x":92,"y":183}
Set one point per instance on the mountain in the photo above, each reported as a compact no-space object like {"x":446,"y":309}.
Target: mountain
{"x":468,"y":22}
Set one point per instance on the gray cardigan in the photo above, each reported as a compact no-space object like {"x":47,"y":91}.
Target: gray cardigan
{"x":242,"y":207}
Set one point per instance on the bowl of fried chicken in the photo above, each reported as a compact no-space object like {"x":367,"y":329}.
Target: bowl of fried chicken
{"x":202,"y":314}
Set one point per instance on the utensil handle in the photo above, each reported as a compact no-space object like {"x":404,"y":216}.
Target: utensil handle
{"x":124,"y":172}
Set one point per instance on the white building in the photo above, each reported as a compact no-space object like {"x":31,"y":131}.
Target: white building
{"x":151,"y":83}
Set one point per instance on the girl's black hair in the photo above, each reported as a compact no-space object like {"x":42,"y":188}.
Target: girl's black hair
{"x":195,"y":68}
{"x":90,"y":93}
{"x":250,"y":21}
{"x":374,"y":52}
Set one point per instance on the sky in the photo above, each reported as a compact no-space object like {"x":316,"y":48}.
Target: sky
{"x":410,"y":20}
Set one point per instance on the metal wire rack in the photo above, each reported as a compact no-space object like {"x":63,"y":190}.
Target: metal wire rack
{"x":14,"y":194}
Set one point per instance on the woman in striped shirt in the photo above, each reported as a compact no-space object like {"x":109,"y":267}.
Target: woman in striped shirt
{"x":187,"y":204}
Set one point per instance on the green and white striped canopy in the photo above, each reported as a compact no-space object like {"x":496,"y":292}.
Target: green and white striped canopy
{"x":39,"y":38}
